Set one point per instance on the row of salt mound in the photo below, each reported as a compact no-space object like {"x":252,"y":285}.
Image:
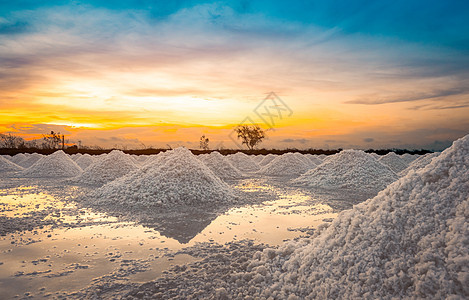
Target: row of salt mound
{"x":220,"y":166}
{"x":177,"y":179}
{"x":85,"y":160}
{"x":243,"y":162}
{"x":409,"y":242}
{"x":419,"y":163}
{"x":267,"y":159}
{"x":8,"y":166}
{"x":288,"y":164}
{"x":349,"y":169}
{"x":394,"y":162}
{"x":56,"y":165}
{"x":107,"y":168}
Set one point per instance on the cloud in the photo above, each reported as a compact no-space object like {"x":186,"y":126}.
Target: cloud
{"x":418,"y":96}
{"x":300,"y":141}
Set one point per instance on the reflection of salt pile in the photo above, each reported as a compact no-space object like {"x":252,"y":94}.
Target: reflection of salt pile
{"x":267,"y":159}
{"x":220,"y":166}
{"x":84,"y":161}
{"x":419,"y":163}
{"x":288,"y":164}
{"x":243,"y":162}
{"x":178,"y":179}
{"x":349,"y":169}
{"x":8,"y":166}
{"x":393,"y":161}
{"x":409,"y":242}
{"x":114,"y":165}
{"x":29,"y":160}
{"x":57,"y":164}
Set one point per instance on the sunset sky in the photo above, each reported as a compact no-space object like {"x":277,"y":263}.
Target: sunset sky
{"x":350,"y":74}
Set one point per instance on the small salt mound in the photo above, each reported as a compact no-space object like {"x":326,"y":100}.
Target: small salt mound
{"x":258,"y":158}
{"x":409,"y":242}
{"x":243,"y":162}
{"x":8,"y":166}
{"x":419,"y":163}
{"x":288,"y":164}
{"x":267,"y":159}
{"x":18,"y":158}
{"x":30,"y":160}
{"x":349,"y":169}
{"x":76,"y":156}
{"x":178,"y":179}
{"x":141,"y":159}
{"x":220,"y":166}
{"x":394,"y":162}
{"x":56,"y":165}
{"x":315,"y":159}
{"x":85,"y":160}
{"x":114,"y":165}
{"x":408,"y":158}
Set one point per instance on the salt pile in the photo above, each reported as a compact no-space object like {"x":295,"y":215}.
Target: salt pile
{"x":30,"y":159}
{"x":267,"y":159}
{"x":315,"y":159}
{"x":55,"y":165}
{"x":140,"y":159}
{"x":419,"y":163}
{"x":288,"y":164}
{"x":243,"y":162}
{"x":394,"y":162}
{"x":410,"y":241}
{"x":408,"y":158}
{"x":8,"y":166}
{"x":18,"y":158}
{"x":179,"y":179}
{"x":349,"y":169}
{"x":85,"y":160}
{"x":220,"y":166}
{"x":114,"y":165}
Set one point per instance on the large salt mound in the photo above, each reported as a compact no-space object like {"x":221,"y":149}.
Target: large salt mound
{"x":411,"y":241}
{"x":114,"y":165}
{"x":56,"y":165}
{"x":419,"y":163}
{"x":394,"y":162}
{"x":8,"y":166}
{"x":243,"y":162}
{"x":30,"y":160}
{"x":220,"y":166}
{"x":288,"y":164}
{"x":349,"y":169}
{"x":179,"y":179}
{"x":85,"y":160}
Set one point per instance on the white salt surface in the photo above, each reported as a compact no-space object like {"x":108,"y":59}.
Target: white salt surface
{"x":8,"y":166}
{"x":56,"y":165}
{"x":408,"y":158}
{"x":85,"y":160}
{"x":288,"y":164}
{"x":394,"y":162}
{"x":114,"y":165}
{"x":178,"y":179}
{"x":349,"y":169}
{"x":410,"y":241}
{"x":315,"y":159}
{"x":220,"y":166}
{"x":243,"y":162}
{"x":18,"y":158}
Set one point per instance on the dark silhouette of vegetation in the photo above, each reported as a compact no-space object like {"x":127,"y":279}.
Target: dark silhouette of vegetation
{"x":204,"y":142}
{"x":53,"y":140}
{"x":250,"y":135}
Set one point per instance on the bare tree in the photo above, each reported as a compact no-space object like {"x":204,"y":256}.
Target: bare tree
{"x":53,"y":140}
{"x":11,"y":141}
{"x":250,"y":135}
{"x":204,"y":142}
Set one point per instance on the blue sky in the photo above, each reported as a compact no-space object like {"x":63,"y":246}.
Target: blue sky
{"x":394,"y":73}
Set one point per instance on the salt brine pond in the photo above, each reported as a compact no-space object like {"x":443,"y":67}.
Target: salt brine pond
{"x":52,"y":246}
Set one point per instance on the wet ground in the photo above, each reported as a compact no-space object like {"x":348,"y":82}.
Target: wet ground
{"x":51,"y":246}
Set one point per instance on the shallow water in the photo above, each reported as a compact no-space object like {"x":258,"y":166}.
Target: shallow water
{"x":70,"y":248}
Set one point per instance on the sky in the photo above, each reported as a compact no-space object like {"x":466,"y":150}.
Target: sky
{"x":140,"y":73}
